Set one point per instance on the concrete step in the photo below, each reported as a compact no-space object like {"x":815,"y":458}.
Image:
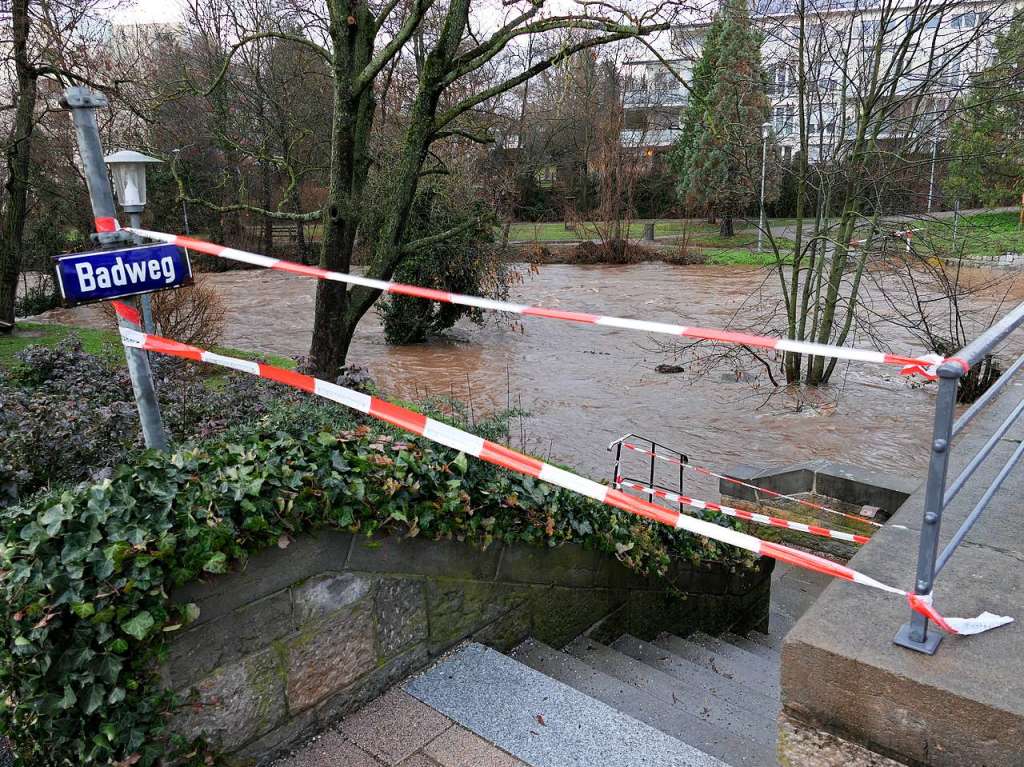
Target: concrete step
{"x":539,"y":719}
{"x":795,"y":589}
{"x":751,"y":673}
{"x":695,"y":677}
{"x":772,"y":641}
{"x":728,"y":650}
{"x":702,"y":702}
{"x":745,"y":643}
{"x":779,"y":623}
{"x":669,"y":719}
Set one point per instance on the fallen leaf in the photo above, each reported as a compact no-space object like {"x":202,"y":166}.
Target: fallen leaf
{"x":283,"y":541}
{"x":540,"y":720}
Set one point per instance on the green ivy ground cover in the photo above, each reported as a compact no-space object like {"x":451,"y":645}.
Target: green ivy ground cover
{"x":86,"y":569}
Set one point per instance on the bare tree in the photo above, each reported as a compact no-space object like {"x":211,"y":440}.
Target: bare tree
{"x":449,"y":48}
{"x":865,"y":93}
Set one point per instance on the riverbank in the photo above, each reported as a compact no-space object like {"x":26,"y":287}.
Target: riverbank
{"x":105,"y":344}
{"x":742,"y":252}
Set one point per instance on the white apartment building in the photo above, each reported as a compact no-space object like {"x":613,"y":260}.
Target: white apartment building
{"x":922,"y":55}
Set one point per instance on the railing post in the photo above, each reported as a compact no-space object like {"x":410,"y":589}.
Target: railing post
{"x":914,"y":635}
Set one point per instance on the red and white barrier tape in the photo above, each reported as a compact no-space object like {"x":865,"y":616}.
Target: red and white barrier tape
{"x":766,"y":491}
{"x":924,"y":365}
{"x":107,"y":224}
{"x":749,"y":516}
{"x":513,"y":460}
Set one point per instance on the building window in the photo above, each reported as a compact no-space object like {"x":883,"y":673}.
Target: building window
{"x":783,"y":118}
{"x":780,"y":80}
{"x":967,"y":20}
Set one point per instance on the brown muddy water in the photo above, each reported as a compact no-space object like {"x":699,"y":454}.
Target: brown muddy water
{"x":585,"y":386}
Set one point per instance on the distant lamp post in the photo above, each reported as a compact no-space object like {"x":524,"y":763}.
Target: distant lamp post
{"x":931,"y":177}
{"x":128,"y":169}
{"x":766,"y":132}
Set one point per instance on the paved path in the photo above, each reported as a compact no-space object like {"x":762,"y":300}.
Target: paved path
{"x":396,"y":730}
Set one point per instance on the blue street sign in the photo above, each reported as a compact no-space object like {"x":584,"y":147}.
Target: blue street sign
{"x":106,"y":274}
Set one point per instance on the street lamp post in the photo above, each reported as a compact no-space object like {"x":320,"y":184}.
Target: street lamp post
{"x":128,"y":169}
{"x":765,"y":133}
{"x":83,"y":102}
{"x":931,"y":177}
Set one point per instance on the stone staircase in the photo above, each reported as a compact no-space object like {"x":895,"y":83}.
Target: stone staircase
{"x":694,"y":701}
{"x":698,"y":701}
{"x":718,"y":695}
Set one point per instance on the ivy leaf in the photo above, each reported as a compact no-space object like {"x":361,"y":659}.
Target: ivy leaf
{"x":191,"y":612}
{"x":109,"y":668}
{"x":83,"y":609}
{"x":461,"y":463}
{"x":217,"y":563}
{"x":69,"y":698}
{"x":95,"y":699}
{"x":139,"y":625}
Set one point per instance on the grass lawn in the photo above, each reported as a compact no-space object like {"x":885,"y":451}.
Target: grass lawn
{"x":979,"y":236}
{"x":105,"y":344}
{"x":746,"y":256}
{"x":526,"y":231}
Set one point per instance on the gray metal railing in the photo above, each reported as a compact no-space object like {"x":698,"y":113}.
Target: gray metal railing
{"x":938,"y":493}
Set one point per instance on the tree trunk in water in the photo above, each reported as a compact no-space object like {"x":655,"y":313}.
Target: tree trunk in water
{"x":15,"y":209}
{"x":351,"y":33}
{"x":268,"y":203}
{"x":725,"y":228}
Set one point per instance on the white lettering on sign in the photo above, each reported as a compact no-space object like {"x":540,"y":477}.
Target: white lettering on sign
{"x":122,"y":275}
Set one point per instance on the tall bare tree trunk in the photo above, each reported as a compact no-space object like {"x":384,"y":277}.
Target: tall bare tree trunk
{"x":17,"y":156}
{"x":352,"y":35}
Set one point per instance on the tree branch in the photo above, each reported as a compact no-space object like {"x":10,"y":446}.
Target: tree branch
{"x":433,"y":239}
{"x":322,"y":52}
{"x":466,"y":104}
{"x":407,"y":30}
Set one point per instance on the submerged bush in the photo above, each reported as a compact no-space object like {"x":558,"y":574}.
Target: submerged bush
{"x":85,"y":574}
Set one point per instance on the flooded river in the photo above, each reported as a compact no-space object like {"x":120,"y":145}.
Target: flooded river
{"x":585,"y":386}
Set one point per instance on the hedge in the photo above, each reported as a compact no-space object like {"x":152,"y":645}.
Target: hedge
{"x":85,"y":573}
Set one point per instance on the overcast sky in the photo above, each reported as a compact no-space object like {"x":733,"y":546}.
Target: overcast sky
{"x":146,"y":11}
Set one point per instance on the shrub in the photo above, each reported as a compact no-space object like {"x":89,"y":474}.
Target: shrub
{"x":467,"y":262}
{"x":192,"y":315}
{"x":85,"y":574}
{"x":38,"y":298}
{"x":67,"y":416}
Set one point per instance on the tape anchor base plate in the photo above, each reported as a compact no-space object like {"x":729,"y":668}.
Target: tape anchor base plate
{"x":904,"y":638}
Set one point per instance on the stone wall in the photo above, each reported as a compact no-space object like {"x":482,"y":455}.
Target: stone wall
{"x":306,"y":634}
{"x":849,"y":489}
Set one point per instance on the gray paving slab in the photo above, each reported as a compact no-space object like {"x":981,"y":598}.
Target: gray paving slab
{"x":540,"y":720}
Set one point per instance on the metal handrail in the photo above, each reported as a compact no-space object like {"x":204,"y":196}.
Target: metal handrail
{"x":938,"y":494}
{"x":618,"y":477}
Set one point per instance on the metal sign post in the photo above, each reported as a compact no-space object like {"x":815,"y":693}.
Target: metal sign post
{"x":82,"y":101}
